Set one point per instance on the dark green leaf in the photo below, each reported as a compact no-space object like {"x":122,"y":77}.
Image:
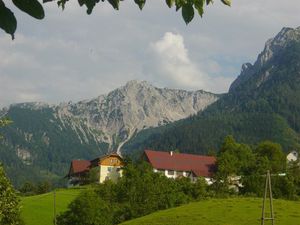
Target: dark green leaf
{"x":8,"y":21}
{"x":115,"y":3}
{"x":209,"y":1}
{"x":180,"y":3}
{"x":227,"y":2}
{"x":199,"y":4}
{"x":31,"y":7}
{"x":187,"y":12}
{"x":90,"y":4}
{"x":140,"y":3}
{"x":170,"y":3}
{"x":81,"y":2}
{"x":62,"y":3}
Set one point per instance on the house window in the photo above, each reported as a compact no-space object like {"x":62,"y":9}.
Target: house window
{"x":170,"y":172}
{"x":109,"y":169}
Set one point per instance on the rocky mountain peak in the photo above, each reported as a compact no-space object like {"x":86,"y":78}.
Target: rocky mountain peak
{"x":127,"y":110}
{"x":273,"y":47}
{"x":280,"y":41}
{"x":137,"y":83}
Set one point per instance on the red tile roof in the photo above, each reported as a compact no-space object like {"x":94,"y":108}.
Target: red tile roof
{"x":79,"y":166}
{"x":198,"y":164}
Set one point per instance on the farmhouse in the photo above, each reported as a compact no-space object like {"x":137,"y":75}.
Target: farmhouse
{"x":175,"y":165}
{"x":109,"y":167}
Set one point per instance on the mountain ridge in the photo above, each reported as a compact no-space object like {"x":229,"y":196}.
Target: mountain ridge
{"x":48,"y":136}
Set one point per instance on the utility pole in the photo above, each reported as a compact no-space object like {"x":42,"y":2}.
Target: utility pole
{"x":268,"y":188}
{"x":54,"y":207}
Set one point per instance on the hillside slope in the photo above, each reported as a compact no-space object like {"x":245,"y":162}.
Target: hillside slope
{"x":234,"y":211}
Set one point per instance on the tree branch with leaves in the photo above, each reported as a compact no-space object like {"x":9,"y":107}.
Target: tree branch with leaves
{"x":34,"y":8}
{"x":4,"y":122}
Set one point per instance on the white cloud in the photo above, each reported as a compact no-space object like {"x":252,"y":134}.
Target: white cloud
{"x":174,"y":65}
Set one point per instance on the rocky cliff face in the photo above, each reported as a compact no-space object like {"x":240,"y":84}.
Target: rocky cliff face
{"x":264,"y":63}
{"x":114,"y":118}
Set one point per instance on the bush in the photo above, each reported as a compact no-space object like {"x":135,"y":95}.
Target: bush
{"x":9,"y":202}
{"x":88,"y":209}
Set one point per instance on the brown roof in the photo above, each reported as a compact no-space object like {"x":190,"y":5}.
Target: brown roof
{"x":79,"y":166}
{"x":198,"y":164}
{"x":96,"y":161}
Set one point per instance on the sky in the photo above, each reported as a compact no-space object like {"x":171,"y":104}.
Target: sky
{"x":71,"y":56}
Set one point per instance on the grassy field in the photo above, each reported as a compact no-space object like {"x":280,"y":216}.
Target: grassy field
{"x":38,"y":209}
{"x":233,"y":211}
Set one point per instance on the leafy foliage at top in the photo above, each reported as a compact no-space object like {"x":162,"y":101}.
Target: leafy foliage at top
{"x":8,"y":21}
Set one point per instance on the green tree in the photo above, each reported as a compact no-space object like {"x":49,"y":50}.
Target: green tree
{"x":8,"y":21}
{"x":9,"y":202}
{"x":4,"y":122}
{"x":274,"y":153}
{"x":88,"y":209}
{"x":43,"y":187}
{"x":28,"y":188}
{"x":93,"y":175}
{"x":234,"y":159}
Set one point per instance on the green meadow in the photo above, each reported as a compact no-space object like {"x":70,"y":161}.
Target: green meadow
{"x":231,"y":211}
{"x":38,"y":209}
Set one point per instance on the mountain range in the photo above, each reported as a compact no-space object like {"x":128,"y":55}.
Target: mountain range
{"x":45,"y":138}
{"x":262,"y":104}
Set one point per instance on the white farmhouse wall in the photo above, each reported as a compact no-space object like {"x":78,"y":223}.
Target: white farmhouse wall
{"x":109,"y":172}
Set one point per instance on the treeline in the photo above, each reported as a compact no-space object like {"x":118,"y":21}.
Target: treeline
{"x":29,"y":188}
{"x":204,"y":132}
{"x":250,"y":163}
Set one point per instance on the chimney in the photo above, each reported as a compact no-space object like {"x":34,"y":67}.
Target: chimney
{"x":171,"y":153}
